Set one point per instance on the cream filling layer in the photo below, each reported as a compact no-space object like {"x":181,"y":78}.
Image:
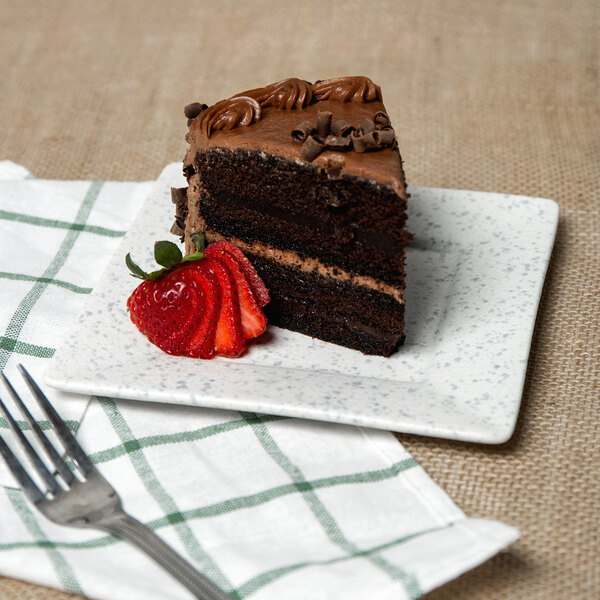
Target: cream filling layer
{"x":312,"y":265}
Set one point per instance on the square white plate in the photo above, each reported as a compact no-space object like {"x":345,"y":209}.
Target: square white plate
{"x":474,"y":279}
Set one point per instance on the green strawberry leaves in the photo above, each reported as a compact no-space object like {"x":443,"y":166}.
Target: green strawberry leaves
{"x":168,"y":256}
{"x":135,"y":270}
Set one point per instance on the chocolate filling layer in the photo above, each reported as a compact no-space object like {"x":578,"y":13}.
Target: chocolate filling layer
{"x":337,"y":311}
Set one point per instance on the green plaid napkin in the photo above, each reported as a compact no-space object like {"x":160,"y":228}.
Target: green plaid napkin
{"x":267,"y":507}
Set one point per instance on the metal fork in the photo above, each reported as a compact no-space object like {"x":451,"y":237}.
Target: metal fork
{"x":88,"y":500}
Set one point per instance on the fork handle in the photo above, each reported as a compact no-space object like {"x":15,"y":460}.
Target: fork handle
{"x":130,"y":529}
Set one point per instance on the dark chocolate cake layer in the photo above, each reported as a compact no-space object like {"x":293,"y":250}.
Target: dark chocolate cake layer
{"x":332,"y":308}
{"x":307,"y":180}
{"x":350,"y":222}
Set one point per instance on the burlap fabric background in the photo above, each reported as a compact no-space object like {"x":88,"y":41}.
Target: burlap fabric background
{"x":495,"y":96}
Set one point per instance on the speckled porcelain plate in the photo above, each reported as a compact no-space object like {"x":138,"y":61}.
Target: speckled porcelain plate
{"x":474,"y":279}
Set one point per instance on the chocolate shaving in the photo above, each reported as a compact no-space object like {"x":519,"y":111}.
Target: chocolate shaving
{"x":311,"y":148}
{"x":367,"y":126}
{"x":381,"y":120}
{"x":179,"y":199}
{"x":177,"y":228}
{"x":358,"y":141}
{"x":323,"y":123}
{"x":373,"y":134}
{"x":386,"y":137}
{"x":302,"y":131}
{"x":341,"y":128}
{"x":191,"y":111}
{"x":371,"y":140}
{"x":337,"y":142}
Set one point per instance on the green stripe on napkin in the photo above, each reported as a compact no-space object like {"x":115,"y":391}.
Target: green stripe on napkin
{"x":26,"y":305}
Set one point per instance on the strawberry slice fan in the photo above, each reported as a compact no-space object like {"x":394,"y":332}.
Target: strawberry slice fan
{"x":205,"y":304}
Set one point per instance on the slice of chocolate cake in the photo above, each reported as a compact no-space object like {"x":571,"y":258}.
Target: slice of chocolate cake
{"x":307,"y":180}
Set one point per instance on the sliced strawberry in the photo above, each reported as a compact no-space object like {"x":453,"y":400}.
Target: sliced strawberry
{"x":201,"y":342}
{"x":166,"y":310}
{"x":261,"y":293}
{"x":253,"y":319}
{"x":200,"y":305}
{"x":229,"y":335}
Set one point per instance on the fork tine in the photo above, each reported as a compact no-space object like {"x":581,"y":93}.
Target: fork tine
{"x":25,"y":482}
{"x":72,"y":446}
{"x":54,"y":456}
{"x":32,"y":455}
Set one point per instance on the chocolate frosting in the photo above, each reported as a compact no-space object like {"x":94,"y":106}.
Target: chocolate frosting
{"x":286,"y":94}
{"x":230,"y":113}
{"x":347,"y":89}
{"x":330,"y":123}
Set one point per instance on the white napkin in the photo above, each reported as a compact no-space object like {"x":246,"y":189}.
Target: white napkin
{"x":267,"y":507}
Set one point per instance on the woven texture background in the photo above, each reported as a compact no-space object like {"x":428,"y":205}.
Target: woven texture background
{"x":495,"y":96}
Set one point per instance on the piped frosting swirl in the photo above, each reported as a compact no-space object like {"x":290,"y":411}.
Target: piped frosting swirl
{"x":227,"y":114}
{"x":347,"y":89}
{"x":287,"y":94}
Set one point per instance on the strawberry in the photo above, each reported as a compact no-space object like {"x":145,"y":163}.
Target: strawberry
{"x":229,"y":335}
{"x":199,"y":305}
{"x":261,"y":293}
{"x":167,"y":310}
{"x":201,"y":342}
{"x":253,"y":319}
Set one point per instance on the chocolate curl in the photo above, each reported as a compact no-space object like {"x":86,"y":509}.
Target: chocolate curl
{"x":358,"y":141}
{"x":381,"y":120}
{"x":323,"y":123}
{"x":311,"y":149}
{"x":191,"y":111}
{"x":303,"y":131}
{"x":367,"y":126}
{"x":385,"y":137}
{"x":341,"y":128}
{"x":338,"y":142}
{"x":372,"y":141}
{"x":375,"y":134}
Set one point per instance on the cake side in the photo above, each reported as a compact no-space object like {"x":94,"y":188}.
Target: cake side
{"x":349,"y":222}
{"x":307,"y":180}
{"x":334,"y":309}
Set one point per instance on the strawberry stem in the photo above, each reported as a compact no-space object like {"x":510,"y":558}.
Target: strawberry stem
{"x":168,"y":256}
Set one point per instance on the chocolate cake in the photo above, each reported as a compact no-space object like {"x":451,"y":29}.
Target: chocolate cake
{"x":307,"y":180}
